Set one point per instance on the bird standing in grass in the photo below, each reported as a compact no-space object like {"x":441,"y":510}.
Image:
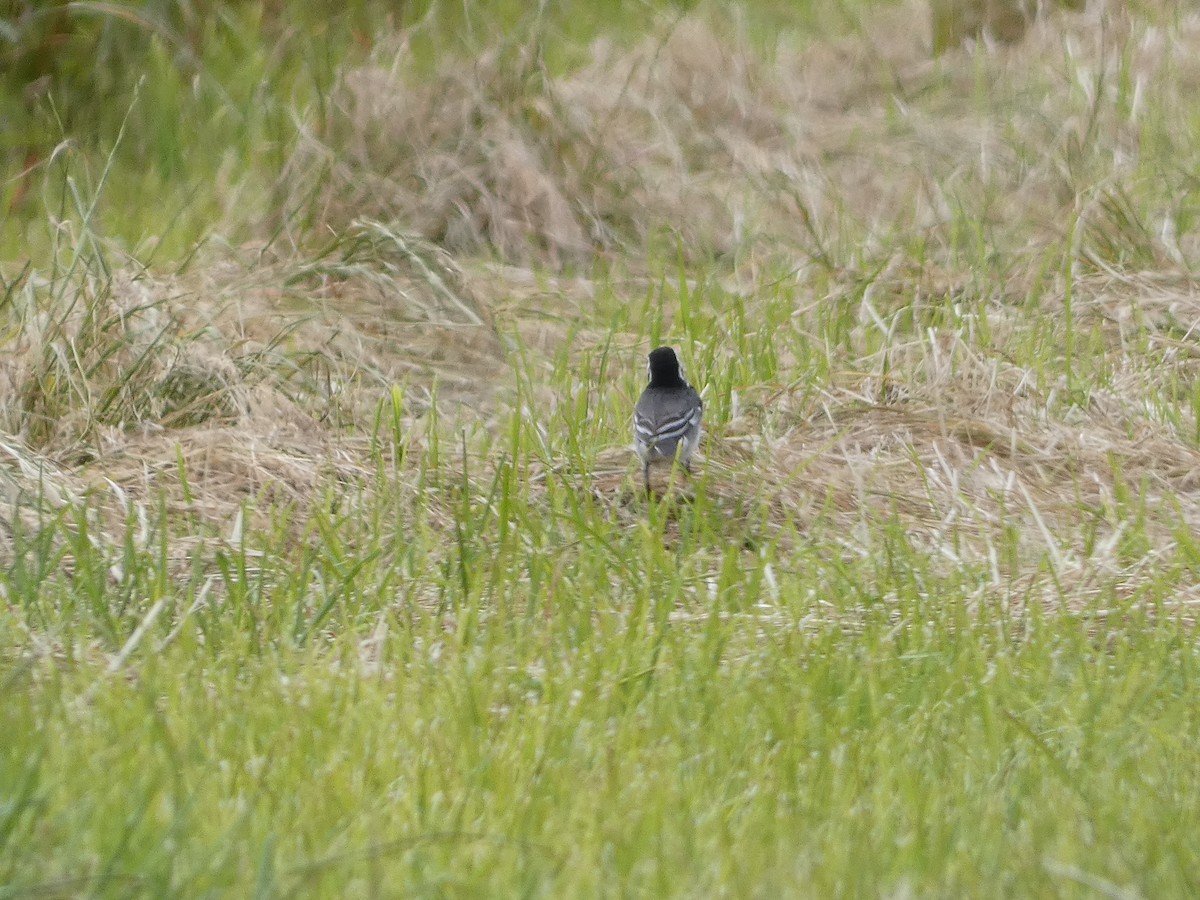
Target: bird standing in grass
{"x":666,"y":420}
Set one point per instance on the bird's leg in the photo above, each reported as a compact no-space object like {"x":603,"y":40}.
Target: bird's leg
{"x":646,"y":475}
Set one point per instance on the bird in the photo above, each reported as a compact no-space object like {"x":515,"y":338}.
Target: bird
{"x":666,"y":419}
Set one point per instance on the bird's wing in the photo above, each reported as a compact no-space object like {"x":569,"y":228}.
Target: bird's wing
{"x":660,"y":418}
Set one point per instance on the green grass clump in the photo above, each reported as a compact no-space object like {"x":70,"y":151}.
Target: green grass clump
{"x":554,"y":704}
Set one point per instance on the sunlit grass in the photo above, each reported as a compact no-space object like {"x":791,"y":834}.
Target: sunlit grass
{"x":561,"y":704}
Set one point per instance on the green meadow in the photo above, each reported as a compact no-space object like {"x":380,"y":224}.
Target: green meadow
{"x":325,"y":564}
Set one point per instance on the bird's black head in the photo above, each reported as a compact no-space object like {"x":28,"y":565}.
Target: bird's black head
{"x":665,"y":370}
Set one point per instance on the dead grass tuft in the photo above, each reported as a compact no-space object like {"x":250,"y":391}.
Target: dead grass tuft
{"x":502,"y":156}
{"x":246,"y":386}
{"x":693,"y":139}
{"x":33,"y":491}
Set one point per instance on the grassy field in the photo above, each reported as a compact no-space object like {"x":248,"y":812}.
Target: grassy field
{"x":325,"y":565}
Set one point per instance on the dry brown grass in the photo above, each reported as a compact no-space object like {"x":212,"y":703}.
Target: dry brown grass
{"x":247,"y":385}
{"x":256,"y":379}
{"x":974,"y":460}
{"x":694,"y":137}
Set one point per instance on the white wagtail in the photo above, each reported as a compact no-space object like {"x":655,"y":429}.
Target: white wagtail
{"x":666,"y":420}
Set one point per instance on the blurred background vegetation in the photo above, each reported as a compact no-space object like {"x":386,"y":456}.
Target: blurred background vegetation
{"x":200,"y":93}
{"x":187,"y":109}
{"x":199,"y":98}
